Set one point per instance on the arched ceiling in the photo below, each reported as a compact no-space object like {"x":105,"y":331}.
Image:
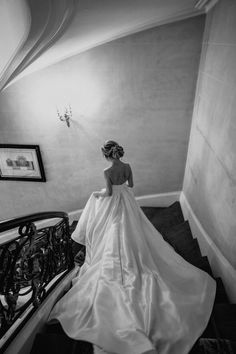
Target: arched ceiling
{"x":36,"y":34}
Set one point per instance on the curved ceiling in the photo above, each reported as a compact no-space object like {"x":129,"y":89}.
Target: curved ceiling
{"x":48,"y":31}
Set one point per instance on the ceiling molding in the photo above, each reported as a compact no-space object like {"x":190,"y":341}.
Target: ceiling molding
{"x":210,"y":5}
{"x":61,"y":29}
{"x":152,"y":23}
{"x":206,"y":5}
{"x":39,"y":16}
{"x":50,"y":19}
{"x":61,"y":13}
{"x":21,"y":43}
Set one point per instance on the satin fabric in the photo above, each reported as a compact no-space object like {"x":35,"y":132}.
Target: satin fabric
{"x":134,"y":293}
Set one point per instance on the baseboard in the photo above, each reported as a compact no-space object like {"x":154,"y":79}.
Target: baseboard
{"x":75,"y":215}
{"x":151,"y":200}
{"x":219,"y":264}
{"x":158,"y":200}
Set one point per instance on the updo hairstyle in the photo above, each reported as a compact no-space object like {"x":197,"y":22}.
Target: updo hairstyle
{"x":112,"y":149}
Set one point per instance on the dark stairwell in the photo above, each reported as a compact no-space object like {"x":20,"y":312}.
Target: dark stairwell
{"x":220,"y":335}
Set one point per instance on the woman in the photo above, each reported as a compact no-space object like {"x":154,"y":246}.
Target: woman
{"x":134,"y":294}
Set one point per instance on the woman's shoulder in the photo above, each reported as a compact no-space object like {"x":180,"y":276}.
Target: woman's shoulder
{"x":107,"y":170}
{"x":127,"y":165}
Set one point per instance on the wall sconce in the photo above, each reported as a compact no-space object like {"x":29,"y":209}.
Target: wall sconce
{"x":65,"y":116}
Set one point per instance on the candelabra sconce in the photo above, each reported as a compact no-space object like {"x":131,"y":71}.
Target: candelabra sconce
{"x":65,"y":116}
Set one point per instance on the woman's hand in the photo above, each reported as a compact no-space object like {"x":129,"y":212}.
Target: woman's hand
{"x":97,"y":194}
{"x":102,"y":193}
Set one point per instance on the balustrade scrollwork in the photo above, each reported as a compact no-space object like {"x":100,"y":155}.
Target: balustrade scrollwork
{"x":29,"y":262}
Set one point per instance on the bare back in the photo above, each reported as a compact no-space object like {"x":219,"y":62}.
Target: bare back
{"x":119,"y":173}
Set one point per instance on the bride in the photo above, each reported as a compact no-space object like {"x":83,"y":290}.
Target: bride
{"x":134,"y":294}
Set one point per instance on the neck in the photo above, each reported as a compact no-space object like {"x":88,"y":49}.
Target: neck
{"x":115,"y":161}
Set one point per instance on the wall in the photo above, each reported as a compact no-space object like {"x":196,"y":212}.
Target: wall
{"x":210,"y":179}
{"x":138,"y":90}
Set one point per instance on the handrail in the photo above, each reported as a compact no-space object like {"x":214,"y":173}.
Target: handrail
{"x":30,"y":261}
{"x":12,"y":223}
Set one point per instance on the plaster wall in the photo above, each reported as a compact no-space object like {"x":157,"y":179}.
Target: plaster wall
{"x":138,"y":90}
{"x":210,"y":178}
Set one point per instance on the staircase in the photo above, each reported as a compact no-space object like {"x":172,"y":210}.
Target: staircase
{"x":219,"y":336}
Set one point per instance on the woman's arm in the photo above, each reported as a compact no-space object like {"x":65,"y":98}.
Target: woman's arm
{"x":130,"y":178}
{"x":107,"y":192}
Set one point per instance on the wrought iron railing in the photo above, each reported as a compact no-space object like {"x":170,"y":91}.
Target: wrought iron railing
{"x":30,"y":261}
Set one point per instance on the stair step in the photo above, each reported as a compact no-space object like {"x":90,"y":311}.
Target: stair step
{"x":76,"y":248}
{"x":213,"y":346}
{"x":221,"y":295}
{"x":222,"y":323}
{"x":80,"y":256}
{"x":178,"y":232}
{"x":73,"y":226}
{"x":225,"y":319}
{"x":53,"y":343}
{"x":54,"y":328}
{"x":210,"y":330}
{"x":168,"y":217}
{"x":203,"y":264}
{"x":180,"y":237}
{"x":190,"y":251}
{"x":225,"y":313}
{"x":150,"y":212}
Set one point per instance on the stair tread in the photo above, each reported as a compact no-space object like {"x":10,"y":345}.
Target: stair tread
{"x":209,"y":345}
{"x":210,"y":330}
{"x":73,"y":226}
{"x":168,"y":217}
{"x":203,"y":264}
{"x":179,"y":231}
{"x":222,"y":323}
{"x":151,"y":211}
{"x":59,"y":344}
{"x":225,"y":313}
{"x":189,"y":251}
{"x":54,"y":328}
{"x":221,"y":295}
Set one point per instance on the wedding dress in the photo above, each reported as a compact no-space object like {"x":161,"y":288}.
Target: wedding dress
{"x":134,"y":293}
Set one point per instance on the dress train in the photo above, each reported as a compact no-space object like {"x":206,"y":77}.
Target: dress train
{"x":134,"y":293}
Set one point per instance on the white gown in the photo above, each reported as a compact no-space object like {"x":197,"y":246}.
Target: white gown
{"x":134,"y":293}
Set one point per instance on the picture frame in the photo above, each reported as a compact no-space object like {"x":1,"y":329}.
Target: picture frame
{"x":21,"y":163}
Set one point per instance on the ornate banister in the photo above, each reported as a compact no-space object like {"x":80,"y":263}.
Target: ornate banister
{"x":12,"y":223}
{"x":30,"y":261}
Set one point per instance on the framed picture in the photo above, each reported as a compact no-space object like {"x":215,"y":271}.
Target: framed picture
{"x":21,"y":163}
